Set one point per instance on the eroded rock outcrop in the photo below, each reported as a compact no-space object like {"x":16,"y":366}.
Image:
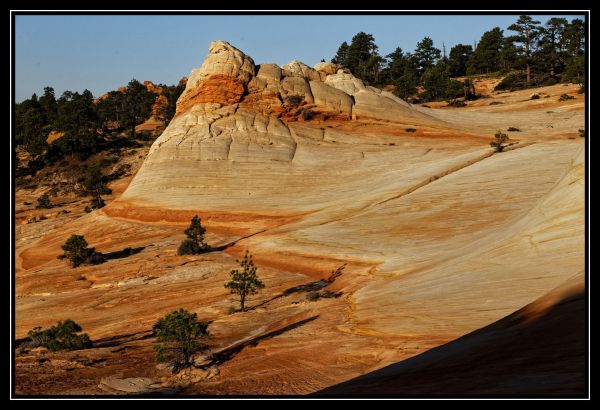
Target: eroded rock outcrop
{"x":221,"y":79}
{"x":327,"y":67}
{"x":233,"y":112}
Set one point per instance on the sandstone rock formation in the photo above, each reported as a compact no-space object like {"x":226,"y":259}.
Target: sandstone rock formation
{"x":327,"y":68}
{"x":237,"y":112}
{"x":439,"y":235}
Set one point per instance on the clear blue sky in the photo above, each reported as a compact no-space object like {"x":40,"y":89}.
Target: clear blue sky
{"x":101,"y":53}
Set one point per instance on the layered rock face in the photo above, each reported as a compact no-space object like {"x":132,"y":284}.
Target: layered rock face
{"x":234,"y":113}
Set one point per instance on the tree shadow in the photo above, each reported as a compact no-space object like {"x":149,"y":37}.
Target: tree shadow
{"x":230,"y":352}
{"x":314,"y":286}
{"x":124,"y":338}
{"x":97,"y":258}
{"x":123,"y":253}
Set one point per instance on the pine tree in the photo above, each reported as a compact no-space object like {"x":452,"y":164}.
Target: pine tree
{"x":528,"y":31}
{"x":78,"y":118}
{"x":31,"y":126}
{"x":245,"y":282}
{"x":194,"y":243}
{"x":396,"y":64}
{"x":406,"y":86}
{"x":435,"y":81}
{"x":76,"y":250}
{"x":48,"y":104}
{"x":550,"y":54}
{"x":458,"y":59}
{"x":426,"y":54}
{"x":179,"y":337}
{"x":341,"y":57}
{"x":573,"y":42}
{"x":507,"y":57}
{"x":486,"y":56}
{"x":362,"y":58}
{"x":138,"y":104}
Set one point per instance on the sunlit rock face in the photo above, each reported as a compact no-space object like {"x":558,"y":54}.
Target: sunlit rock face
{"x":256,"y":136}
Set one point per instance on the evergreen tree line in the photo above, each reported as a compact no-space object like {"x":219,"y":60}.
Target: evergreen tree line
{"x":535,"y":54}
{"x":85,"y":123}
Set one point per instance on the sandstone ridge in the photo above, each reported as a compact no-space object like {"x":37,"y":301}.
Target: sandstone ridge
{"x":234,"y":111}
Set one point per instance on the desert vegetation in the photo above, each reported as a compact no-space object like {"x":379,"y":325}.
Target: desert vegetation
{"x":76,"y":251}
{"x":43,"y":202}
{"x":565,"y":97}
{"x":179,"y":336}
{"x":244,"y":282}
{"x":85,"y":125}
{"x":499,"y":141}
{"x":63,"y":336}
{"x":194,"y":244}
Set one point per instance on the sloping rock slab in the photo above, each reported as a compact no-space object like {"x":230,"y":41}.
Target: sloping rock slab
{"x":134,"y":385}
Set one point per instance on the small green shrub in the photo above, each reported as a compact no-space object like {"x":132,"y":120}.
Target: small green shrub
{"x":63,"y":336}
{"x":565,"y":97}
{"x":534,"y":97}
{"x":513,"y":129}
{"x":43,"y":202}
{"x":513,"y":81}
{"x":499,"y":140}
{"x":410,"y":129}
{"x":37,"y":338}
{"x":456,"y":103}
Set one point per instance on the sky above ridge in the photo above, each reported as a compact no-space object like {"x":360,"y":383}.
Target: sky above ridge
{"x":102,"y":53}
